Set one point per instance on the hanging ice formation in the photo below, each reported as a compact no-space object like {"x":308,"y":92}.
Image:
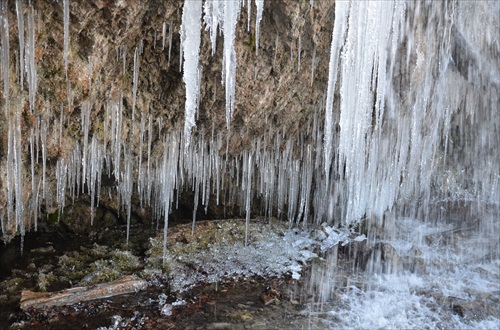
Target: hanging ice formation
{"x":224,"y":15}
{"x":380,"y":143}
{"x":258,"y":19}
{"x":367,"y":46}
{"x":339,"y":28}
{"x":66,"y":35}
{"x":20,"y":27}
{"x":190,"y":40}
{"x":4,"y":30}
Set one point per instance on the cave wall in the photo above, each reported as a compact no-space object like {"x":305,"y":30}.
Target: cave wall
{"x":273,"y":93}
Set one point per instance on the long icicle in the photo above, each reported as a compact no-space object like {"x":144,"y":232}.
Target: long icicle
{"x":191,"y":39}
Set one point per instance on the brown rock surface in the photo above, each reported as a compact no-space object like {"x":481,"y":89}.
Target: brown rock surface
{"x":273,"y":94}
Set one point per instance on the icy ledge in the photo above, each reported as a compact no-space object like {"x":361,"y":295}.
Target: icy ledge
{"x":217,"y":252}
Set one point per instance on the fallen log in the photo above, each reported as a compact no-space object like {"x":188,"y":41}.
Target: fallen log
{"x":123,"y":285}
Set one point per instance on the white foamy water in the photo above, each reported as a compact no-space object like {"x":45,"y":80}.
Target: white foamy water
{"x":456,"y":287}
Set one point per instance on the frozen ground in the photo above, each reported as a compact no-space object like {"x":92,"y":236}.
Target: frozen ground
{"x":217,"y":252}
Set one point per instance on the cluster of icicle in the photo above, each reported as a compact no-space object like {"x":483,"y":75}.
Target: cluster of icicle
{"x":386,"y":151}
{"x":217,"y":15}
{"x":14,"y":190}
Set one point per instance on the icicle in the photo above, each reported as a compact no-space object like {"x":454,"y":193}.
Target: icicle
{"x":31,"y":73}
{"x":313,"y":65}
{"x":135,"y":82}
{"x":4,"y":33}
{"x":160,"y":126}
{"x":85,"y":118}
{"x":169,"y":41}
{"x":20,"y":28}
{"x":2,"y":224}
{"x":105,"y":124}
{"x":225,"y":12}
{"x":18,"y":174}
{"x":61,"y":170}
{"x":248,"y":195}
{"x":10,"y":175}
{"x":208,"y":175}
{"x":66,"y":35}
{"x":213,"y":17}
{"x":217,"y":166}
{"x":127,"y":188}
{"x":39,"y":21}
{"x":299,"y":51}
{"x":117,"y":133}
{"x":32,"y":153}
{"x":163,"y":35}
{"x":339,"y":27}
{"x":124,"y":58}
{"x":170,"y":161}
{"x":43,"y":134}
{"x":249,"y":14}
{"x":231,"y":11}
{"x":76,"y":164}
{"x":258,"y":19}
{"x":191,"y":21}
{"x":94,"y":174}
{"x":140,"y":178}
{"x":91,"y":72}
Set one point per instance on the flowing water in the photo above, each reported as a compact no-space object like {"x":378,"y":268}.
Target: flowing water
{"x":423,"y":140}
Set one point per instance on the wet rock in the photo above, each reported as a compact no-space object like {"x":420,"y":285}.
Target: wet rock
{"x":471,"y":310}
{"x":44,"y":249}
{"x":416,"y":261}
{"x":76,"y":218}
{"x":272,"y":293}
{"x":383,"y":258}
{"x":220,"y":326}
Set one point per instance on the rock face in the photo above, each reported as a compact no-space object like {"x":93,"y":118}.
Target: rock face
{"x":276,"y":91}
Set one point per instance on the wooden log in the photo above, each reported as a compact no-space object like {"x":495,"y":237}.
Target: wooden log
{"x":123,"y":285}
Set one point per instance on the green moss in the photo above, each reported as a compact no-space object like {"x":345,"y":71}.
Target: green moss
{"x":54,"y":217}
{"x":97,"y":265}
{"x":44,"y":280}
{"x":251,"y":42}
{"x":74,"y":130}
{"x":125,"y":261}
{"x":103,"y":271}
{"x":12,"y":285}
{"x":99,"y":130}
